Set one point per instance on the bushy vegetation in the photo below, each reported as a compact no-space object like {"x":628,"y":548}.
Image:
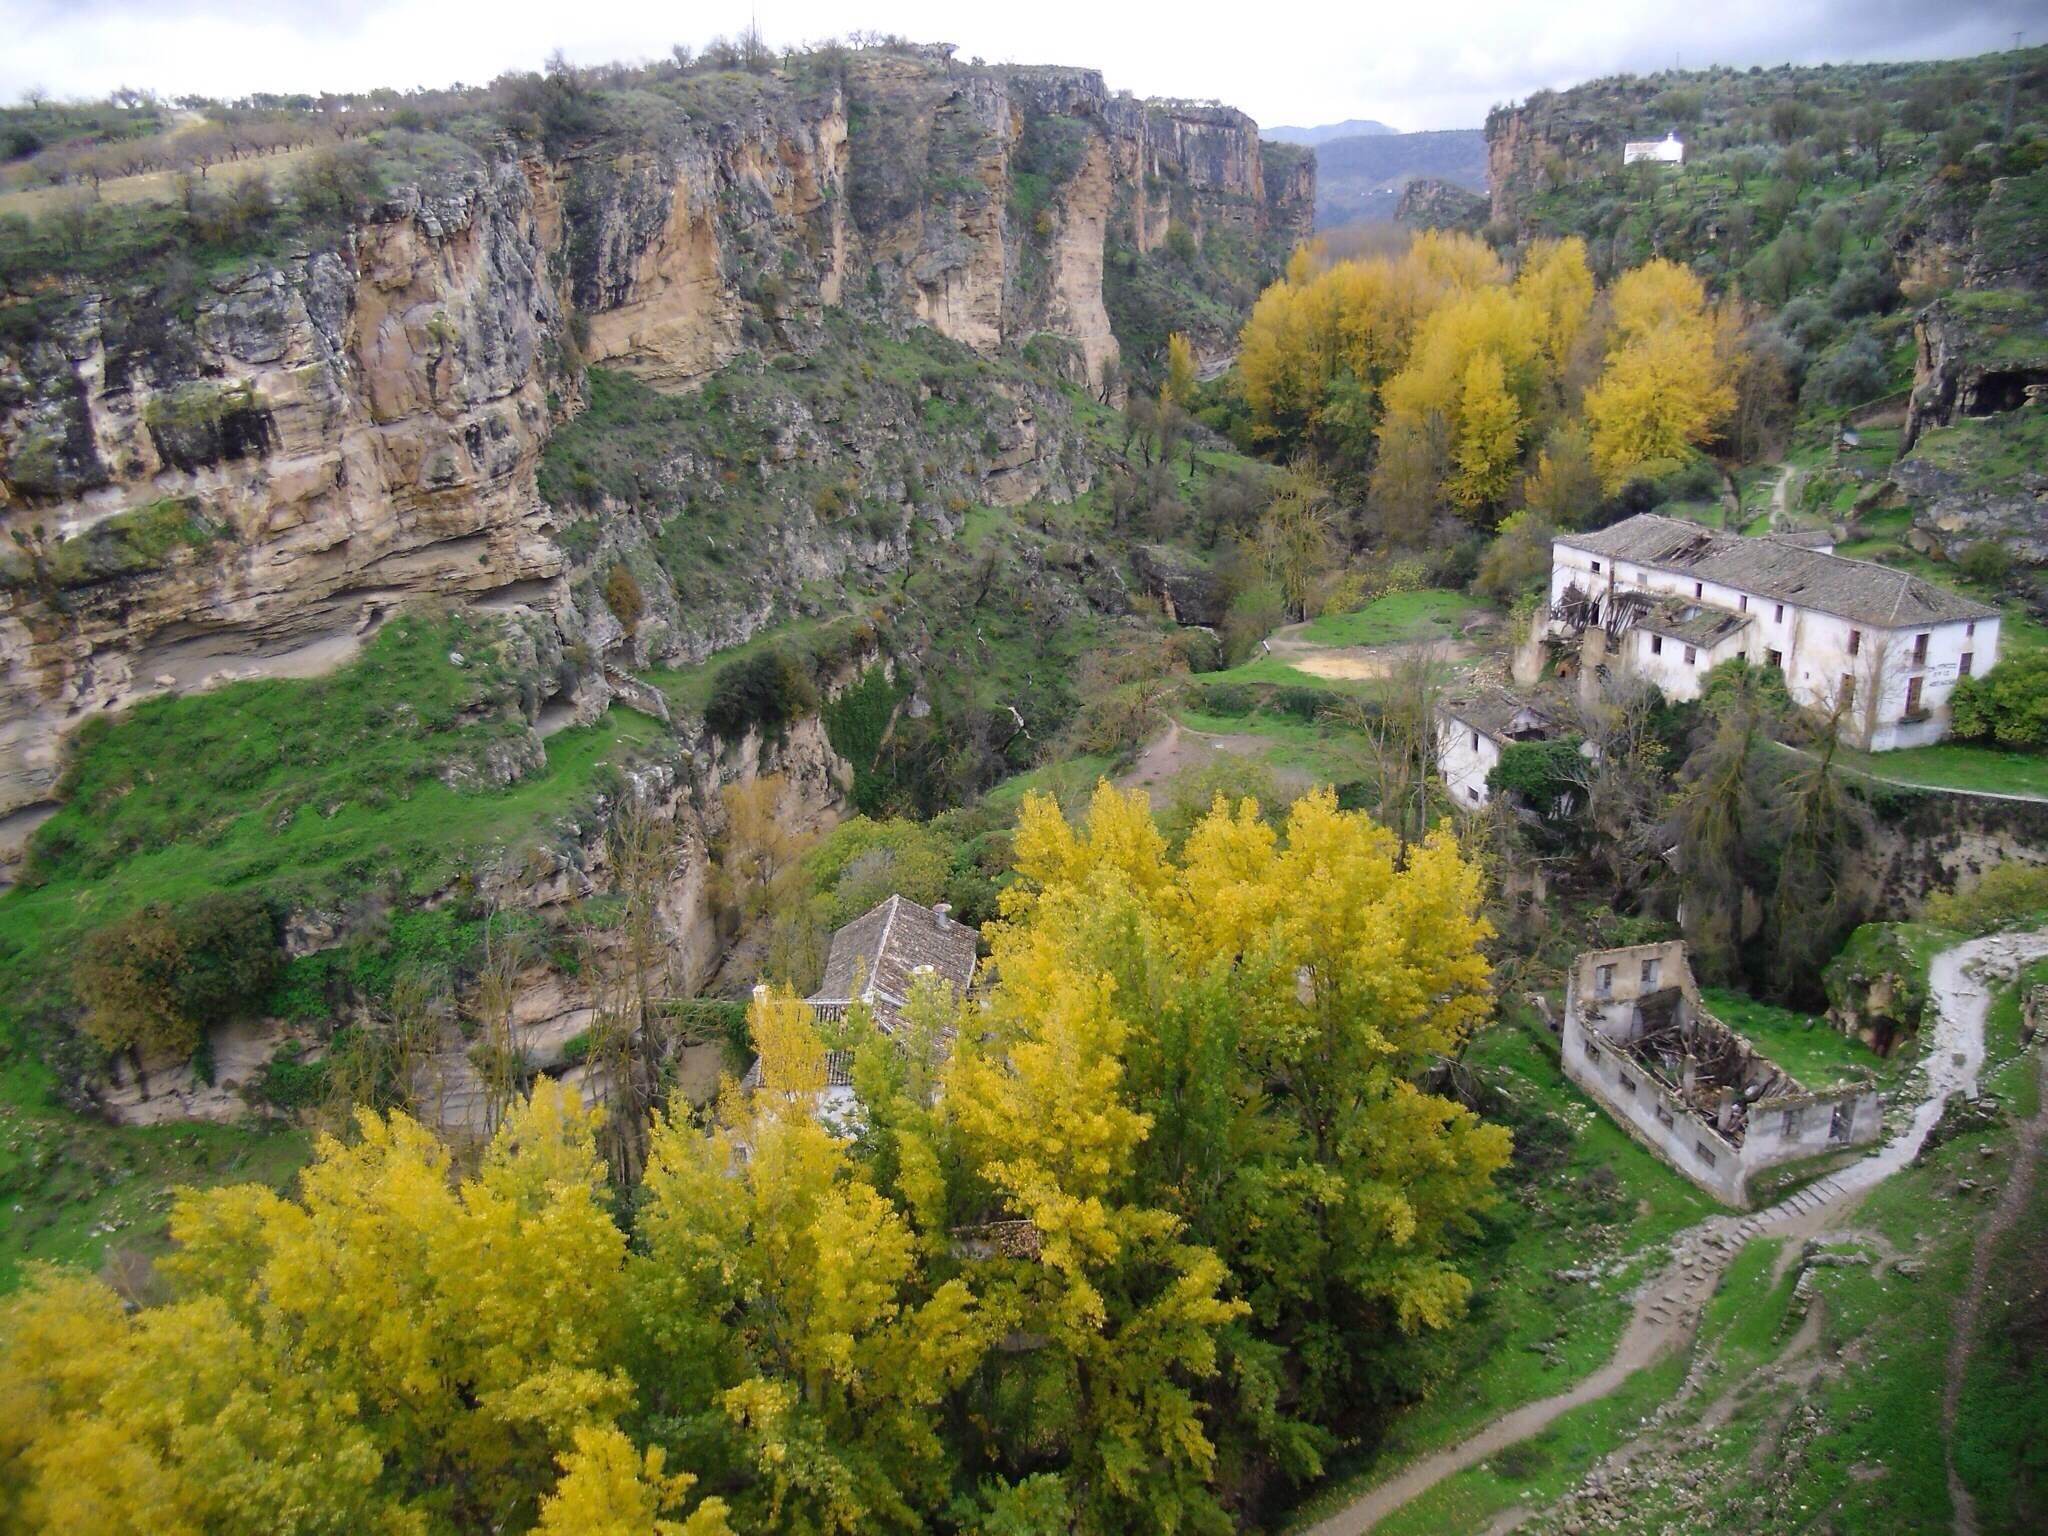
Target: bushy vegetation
{"x":158,"y":978}
{"x":2007,"y":705}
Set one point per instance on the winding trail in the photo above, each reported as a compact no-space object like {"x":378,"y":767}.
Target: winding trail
{"x":1667,"y":1306}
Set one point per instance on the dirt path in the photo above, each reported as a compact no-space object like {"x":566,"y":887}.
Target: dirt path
{"x":1667,"y":1307}
{"x":2020,"y":1184}
{"x":1781,"y":495}
{"x":1180,"y":748}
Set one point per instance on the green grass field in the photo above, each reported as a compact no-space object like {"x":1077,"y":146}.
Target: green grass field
{"x":1398,"y":616}
{"x":1956,"y":765}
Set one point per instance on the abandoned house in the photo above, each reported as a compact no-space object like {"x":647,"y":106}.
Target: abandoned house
{"x":1669,"y":150}
{"x":876,"y":959}
{"x":1640,"y":1042}
{"x":1473,"y":729}
{"x":1670,"y":600}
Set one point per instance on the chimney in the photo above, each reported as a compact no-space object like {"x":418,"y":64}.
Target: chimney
{"x":943,"y":909}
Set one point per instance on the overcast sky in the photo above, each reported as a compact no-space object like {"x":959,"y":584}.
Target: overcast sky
{"x":1411,"y":65}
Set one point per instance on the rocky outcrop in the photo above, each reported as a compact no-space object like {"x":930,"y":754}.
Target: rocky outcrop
{"x":1978,"y":353}
{"x":1428,"y":203}
{"x":1189,"y":590}
{"x":1521,"y":141}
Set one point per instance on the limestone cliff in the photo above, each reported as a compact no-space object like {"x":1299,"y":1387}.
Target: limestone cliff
{"x":245,"y":484}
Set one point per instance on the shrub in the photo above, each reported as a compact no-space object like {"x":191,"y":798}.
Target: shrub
{"x":1543,"y":773}
{"x":765,"y":690}
{"x":157,"y":978}
{"x":1986,"y":561}
{"x":2006,"y":893}
{"x":623,"y":596}
{"x":2008,"y":704}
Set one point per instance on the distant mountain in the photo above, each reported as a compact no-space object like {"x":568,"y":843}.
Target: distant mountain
{"x":1350,"y":128}
{"x":1361,"y":177}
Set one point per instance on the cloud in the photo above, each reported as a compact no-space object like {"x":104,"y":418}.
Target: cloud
{"x":1410,"y":65}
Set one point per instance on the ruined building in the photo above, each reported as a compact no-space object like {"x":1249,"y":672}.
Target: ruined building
{"x":1640,"y":1042}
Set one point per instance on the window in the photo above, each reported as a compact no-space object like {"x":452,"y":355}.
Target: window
{"x":1628,"y":1084}
{"x":1663,"y":1113}
{"x":1706,"y":1152}
{"x":1744,"y":607}
{"x":1603,"y":980}
{"x":1656,"y":645}
{"x":1848,"y":689}
{"x":1913,"y":695}
{"x":1692,"y":656}
{"x":1919,"y":650}
{"x":1592,"y":1051}
{"x":1779,"y":618}
{"x":1596,"y":567}
{"x":1776,"y":659}
{"x":1855,"y":642}
{"x":1699,"y":589}
{"x":1963,"y":667}
{"x":1650,"y":967}
{"x":1843,"y":1122}
{"x":1970,"y":630}
{"x":1472,"y":794}
{"x":1475,"y":741}
{"x":1790,"y":1125}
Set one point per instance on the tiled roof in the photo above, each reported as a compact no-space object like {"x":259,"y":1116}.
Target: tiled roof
{"x":874,"y":958}
{"x":1782,"y":571}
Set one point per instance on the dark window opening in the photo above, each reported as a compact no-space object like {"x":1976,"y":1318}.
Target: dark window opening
{"x":1706,"y":1152}
{"x":1780,"y":616}
{"x":1913,"y":697}
{"x":1963,"y":667}
{"x":1919,"y":650}
{"x":1776,"y":659}
{"x":1692,"y":656}
{"x":1855,"y":642}
{"x":1656,"y":645}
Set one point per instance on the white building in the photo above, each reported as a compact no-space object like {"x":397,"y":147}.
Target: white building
{"x":1671,"y":600}
{"x":1471,"y":732}
{"x":1665,"y":151}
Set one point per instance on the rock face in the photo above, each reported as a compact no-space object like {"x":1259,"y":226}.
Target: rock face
{"x":1978,"y":415}
{"x":1429,"y":203}
{"x":247,"y":488}
{"x":1520,"y":139}
{"x":332,"y":432}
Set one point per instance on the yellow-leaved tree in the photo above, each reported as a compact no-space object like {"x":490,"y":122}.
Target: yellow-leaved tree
{"x":1240,"y":1035}
{"x":392,"y":1351}
{"x":1489,"y":434}
{"x":778,"y":1287}
{"x":1669,"y":374}
{"x":1179,"y":388}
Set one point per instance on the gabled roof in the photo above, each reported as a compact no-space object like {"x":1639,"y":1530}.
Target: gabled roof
{"x":1782,"y":571}
{"x":874,"y":958}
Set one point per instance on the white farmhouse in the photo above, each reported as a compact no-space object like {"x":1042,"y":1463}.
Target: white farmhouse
{"x":1665,"y":151}
{"x":1670,"y":600}
{"x":1471,"y":732}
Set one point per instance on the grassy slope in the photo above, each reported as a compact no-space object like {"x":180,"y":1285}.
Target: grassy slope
{"x":1396,"y":616}
{"x":312,"y":790}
